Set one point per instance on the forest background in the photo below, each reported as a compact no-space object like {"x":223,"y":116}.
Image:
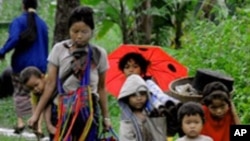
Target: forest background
{"x":220,"y":42}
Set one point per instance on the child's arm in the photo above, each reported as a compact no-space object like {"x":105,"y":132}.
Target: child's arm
{"x":34,"y":104}
{"x":234,"y":113}
{"x":34,"y":100}
{"x":40,"y":121}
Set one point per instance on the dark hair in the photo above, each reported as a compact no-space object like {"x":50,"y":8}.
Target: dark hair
{"x":82,"y":14}
{"x":28,"y":36}
{"x":27,"y":72}
{"x":190,"y":108}
{"x":138,"y":58}
{"x":215,"y":90}
{"x":29,"y":4}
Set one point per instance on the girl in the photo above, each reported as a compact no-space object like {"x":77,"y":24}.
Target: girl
{"x":76,"y":63}
{"x":219,"y":111}
{"x":191,"y":118}
{"x":135,"y":124}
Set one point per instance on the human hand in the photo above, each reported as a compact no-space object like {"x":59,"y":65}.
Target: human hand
{"x":106,"y":124}
{"x":33,"y":122}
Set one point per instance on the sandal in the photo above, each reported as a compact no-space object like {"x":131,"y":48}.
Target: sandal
{"x":18,"y":130}
{"x":39,"y":135}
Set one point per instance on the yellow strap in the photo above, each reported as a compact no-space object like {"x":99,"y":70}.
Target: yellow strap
{"x":65,"y":124}
{"x":90,"y":119}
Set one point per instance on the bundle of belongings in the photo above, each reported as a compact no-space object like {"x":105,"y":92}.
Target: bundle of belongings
{"x":190,"y":89}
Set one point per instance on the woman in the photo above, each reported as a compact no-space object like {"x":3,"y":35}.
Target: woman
{"x":28,"y":36}
{"x":61,"y":64}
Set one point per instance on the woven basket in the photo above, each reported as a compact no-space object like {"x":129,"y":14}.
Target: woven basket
{"x":183,"y":97}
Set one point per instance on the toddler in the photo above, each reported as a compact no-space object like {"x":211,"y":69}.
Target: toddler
{"x":35,"y":80}
{"x":191,"y":118}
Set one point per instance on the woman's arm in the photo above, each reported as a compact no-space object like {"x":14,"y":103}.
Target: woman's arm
{"x":47,"y":93}
{"x":104,"y":100}
{"x":14,"y":32}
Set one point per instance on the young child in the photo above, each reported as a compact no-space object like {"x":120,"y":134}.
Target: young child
{"x":35,"y":80}
{"x":135,"y":63}
{"x":135,"y":124}
{"x":219,"y":111}
{"x":191,"y":118}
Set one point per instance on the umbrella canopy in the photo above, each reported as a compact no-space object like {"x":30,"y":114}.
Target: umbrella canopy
{"x":163,"y":68}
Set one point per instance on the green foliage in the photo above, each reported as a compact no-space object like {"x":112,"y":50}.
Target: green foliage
{"x":90,"y":2}
{"x":225,"y":48}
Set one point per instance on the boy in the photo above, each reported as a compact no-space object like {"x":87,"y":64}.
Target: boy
{"x":135,"y":124}
{"x":191,"y":118}
{"x":35,"y":80}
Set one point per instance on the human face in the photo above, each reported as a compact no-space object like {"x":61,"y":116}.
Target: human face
{"x":131,"y":68}
{"x":192,"y":125}
{"x":137,"y":101}
{"x":218,"y":108}
{"x":36,"y":84}
{"x":80,"y":33}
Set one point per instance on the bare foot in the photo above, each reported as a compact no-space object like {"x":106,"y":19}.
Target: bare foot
{"x":51,"y":129}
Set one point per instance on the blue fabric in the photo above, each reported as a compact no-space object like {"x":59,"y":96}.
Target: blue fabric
{"x":36,"y":54}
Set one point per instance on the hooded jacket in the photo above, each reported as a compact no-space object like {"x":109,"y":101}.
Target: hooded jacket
{"x":132,"y":128}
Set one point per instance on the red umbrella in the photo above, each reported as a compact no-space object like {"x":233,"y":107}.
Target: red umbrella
{"x":163,"y":68}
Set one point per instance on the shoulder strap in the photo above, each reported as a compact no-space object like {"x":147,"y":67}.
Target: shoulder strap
{"x":86,"y":76}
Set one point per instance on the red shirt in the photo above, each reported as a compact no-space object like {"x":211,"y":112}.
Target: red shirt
{"x":219,"y":130}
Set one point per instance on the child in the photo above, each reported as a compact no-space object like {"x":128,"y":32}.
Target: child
{"x":35,"y":80}
{"x":219,"y":111}
{"x":135,"y":63}
{"x":191,"y":118}
{"x":135,"y":124}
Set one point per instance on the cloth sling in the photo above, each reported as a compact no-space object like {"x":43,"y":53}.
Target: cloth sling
{"x":74,"y":106}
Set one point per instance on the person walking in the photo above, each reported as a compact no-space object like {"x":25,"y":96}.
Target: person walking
{"x":77,"y":69}
{"x":28,"y":37}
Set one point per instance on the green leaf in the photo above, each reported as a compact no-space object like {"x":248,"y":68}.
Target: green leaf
{"x":104,"y":28}
{"x":112,"y":13}
{"x":130,"y":4}
{"x":90,"y":2}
